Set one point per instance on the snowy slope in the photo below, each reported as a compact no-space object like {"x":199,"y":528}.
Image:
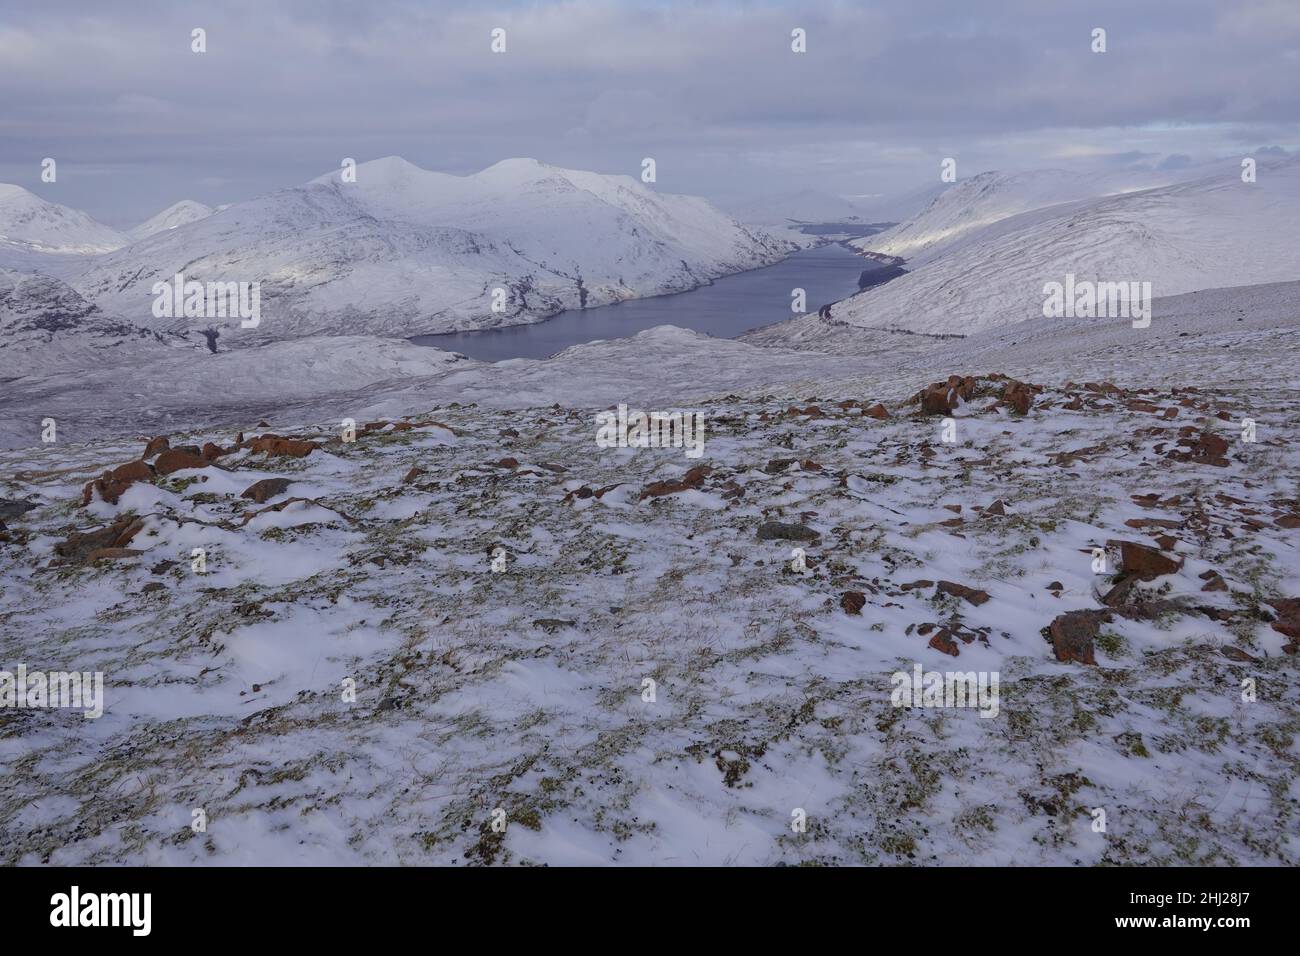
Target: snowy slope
{"x":1209,"y":233}
{"x":177,"y":214}
{"x":45,"y":326}
{"x":404,"y":250}
{"x":972,"y":204}
{"x":166,"y":381}
{"x":899,"y":207}
{"x":29,"y":223}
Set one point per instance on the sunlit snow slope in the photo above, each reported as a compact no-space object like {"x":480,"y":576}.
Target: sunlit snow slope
{"x":404,"y":250}
{"x":1210,"y":233}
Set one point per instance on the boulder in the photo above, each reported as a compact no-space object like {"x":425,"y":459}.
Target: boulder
{"x":692,"y":479}
{"x":971,"y":595}
{"x":1146,"y":563}
{"x":288,"y":447}
{"x":942,"y":641}
{"x":936,"y":400}
{"x":1018,"y":396}
{"x":1073,"y":635}
{"x":266,"y":489}
{"x":177,"y":459}
{"x":781,"y":531}
{"x":79,"y":545}
{"x":853,"y":602}
{"x":13,"y":508}
{"x":1288,"y":617}
{"x":131,"y":471}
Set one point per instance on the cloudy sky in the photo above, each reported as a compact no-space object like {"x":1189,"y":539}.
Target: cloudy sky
{"x":712,"y":91}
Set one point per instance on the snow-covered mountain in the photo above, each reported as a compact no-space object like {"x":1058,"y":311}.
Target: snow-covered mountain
{"x":972,"y":269}
{"x":177,"y":214}
{"x":29,"y":223}
{"x":46,"y":325}
{"x":404,"y":250}
{"x":985,"y":198}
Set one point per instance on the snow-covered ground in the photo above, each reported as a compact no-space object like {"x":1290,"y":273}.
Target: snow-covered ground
{"x":524,"y":690}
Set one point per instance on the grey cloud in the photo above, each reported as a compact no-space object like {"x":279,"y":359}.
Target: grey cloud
{"x":712,"y":91}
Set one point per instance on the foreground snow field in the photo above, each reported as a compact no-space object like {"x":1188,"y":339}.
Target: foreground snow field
{"x":523,"y":689}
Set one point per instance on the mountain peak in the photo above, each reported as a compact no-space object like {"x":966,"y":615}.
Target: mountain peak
{"x":10,"y":192}
{"x":27,"y":220}
{"x":384,"y":170}
{"x":177,"y":214}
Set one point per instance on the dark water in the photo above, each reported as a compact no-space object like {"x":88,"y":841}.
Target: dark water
{"x":725,"y":309}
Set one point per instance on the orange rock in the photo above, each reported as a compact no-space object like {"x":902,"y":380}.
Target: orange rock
{"x":173,"y":459}
{"x":131,"y":471}
{"x":1072,"y":635}
{"x":657,"y":489}
{"x":943,"y":642}
{"x":853,"y":602}
{"x":266,"y":489}
{"x":1146,"y":563}
{"x":1019,"y":395}
{"x":111,"y":484}
{"x":695,"y":477}
{"x":972,"y":595}
{"x":290,"y":447}
{"x":936,"y":399}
